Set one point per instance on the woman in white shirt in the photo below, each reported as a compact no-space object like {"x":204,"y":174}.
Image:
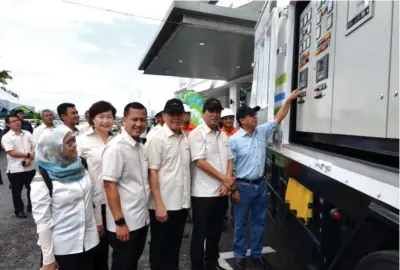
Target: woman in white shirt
{"x":90,"y":144}
{"x":62,"y":207}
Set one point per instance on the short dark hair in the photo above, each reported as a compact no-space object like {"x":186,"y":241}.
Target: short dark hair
{"x":133,"y":105}
{"x":100,"y":107}
{"x":63,"y":108}
{"x":10,"y":116}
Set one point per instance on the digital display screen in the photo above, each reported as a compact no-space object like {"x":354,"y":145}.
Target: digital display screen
{"x":329,"y":22}
{"x":320,"y":66}
{"x":330,"y":5}
{"x":318,"y":32}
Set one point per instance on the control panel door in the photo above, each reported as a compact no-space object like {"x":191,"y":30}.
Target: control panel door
{"x":393,"y":117}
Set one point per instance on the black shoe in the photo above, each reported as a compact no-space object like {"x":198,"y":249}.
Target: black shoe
{"x":21,"y":215}
{"x":240,"y":264}
{"x":262,"y":263}
{"x":29,"y":209}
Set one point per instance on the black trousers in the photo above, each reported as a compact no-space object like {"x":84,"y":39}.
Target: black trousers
{"x":166,"y":239}
{"x":78,"y":261}
{"x":208,"y":222}
{"x":18,"y":181}
{"x":101,"y":251}
{"x":128,"y":253}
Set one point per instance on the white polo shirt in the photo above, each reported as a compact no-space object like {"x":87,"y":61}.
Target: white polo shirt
{"x":22,"y":143}
{"x":91,"y":147}
{"x":169,"y":154}
{"x":152,"y":131}
{"x":212,"y":146}
{"x":125,"y":162}
{"x":37,"y":132}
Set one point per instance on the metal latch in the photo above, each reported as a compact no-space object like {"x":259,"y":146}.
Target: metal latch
{"x":282,"y":49}
{"x":284,"y":12}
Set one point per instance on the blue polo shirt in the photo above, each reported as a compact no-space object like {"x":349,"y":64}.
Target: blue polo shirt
{"x":249,"y":151}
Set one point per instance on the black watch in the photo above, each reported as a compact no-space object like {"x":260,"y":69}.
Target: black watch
{"x":232,"y":190}
{"x":28,"y":155}
{"x":120,"y":222}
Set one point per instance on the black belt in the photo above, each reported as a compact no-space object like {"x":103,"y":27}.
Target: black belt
{"x":253,"y":182}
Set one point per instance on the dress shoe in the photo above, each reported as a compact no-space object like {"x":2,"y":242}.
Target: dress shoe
{"x":240,"y":264}
{"x":21,"y":215}
{"x":262,"y":263}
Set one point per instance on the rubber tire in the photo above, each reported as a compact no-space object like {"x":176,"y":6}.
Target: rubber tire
{"x":381,"y":260}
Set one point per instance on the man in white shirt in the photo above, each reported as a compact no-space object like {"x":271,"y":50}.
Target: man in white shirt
{"x":47,"y":123}
{"x":169,"y":168}
{"x":212,"y":179}
{"x":84,"y":128}
{"x":70,"y":116}
{"x":160,"y":122}
{"x":125,"y":172}
{"x":19,"y":146}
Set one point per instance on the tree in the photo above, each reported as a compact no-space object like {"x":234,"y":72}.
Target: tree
{"x":4,"y":77}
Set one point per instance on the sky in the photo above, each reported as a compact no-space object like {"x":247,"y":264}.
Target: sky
{"x":60,"y":52}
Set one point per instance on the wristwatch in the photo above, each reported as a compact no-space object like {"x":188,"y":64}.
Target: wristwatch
{"x":28,"y":155}
{"x":232,"y":190}
{"x":120,"y":222}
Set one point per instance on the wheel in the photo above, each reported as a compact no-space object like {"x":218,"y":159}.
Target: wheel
{"x":381,"y":260}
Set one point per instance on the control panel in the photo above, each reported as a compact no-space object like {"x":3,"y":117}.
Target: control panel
{"x":315,"y":66}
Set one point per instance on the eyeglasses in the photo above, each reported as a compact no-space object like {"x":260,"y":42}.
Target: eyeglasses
{"x":71,"y":141}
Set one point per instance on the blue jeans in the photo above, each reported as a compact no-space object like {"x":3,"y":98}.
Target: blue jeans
{"x":252,"y":198}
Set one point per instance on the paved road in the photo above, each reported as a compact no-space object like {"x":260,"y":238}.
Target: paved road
{"x":19,"y":249}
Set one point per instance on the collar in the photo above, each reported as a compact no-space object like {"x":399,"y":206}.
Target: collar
{"x":128,"y":138}
{"x":12,"y":133}
{"x":243,"y":132}
{"x":75,"y":128}
{"x":208,"y":129}
{"x":44,"y":126}
{"x":169,"y":132}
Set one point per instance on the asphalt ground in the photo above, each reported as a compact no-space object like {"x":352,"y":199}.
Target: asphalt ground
{"x":19,"y":249}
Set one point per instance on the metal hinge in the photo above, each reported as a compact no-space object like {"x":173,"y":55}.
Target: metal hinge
{"x":284,"y":12}
{"x":282,"y":49}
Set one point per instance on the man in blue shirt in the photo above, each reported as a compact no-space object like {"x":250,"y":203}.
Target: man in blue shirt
{"x":249,"y":151}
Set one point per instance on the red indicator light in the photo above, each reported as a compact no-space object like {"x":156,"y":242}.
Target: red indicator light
{"x":336,"y":214}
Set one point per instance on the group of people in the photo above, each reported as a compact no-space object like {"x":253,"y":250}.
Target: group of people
{"x":94,"y":190}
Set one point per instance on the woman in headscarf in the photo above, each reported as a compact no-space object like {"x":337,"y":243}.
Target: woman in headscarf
{"x":63,"y":207}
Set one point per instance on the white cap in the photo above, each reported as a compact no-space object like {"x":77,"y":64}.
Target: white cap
{"x":227,"y":112}
{"x":187,"y":108}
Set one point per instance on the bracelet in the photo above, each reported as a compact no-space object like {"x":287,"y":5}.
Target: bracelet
{"x":233,"y":190}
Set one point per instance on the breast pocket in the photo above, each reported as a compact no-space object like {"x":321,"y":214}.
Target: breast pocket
{"x":211,"y":147}
{"x":244,"y":150}
{"x":168,"y":151}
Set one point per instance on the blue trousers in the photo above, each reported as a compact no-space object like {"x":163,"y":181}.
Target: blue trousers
{"x":253,"y":198}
